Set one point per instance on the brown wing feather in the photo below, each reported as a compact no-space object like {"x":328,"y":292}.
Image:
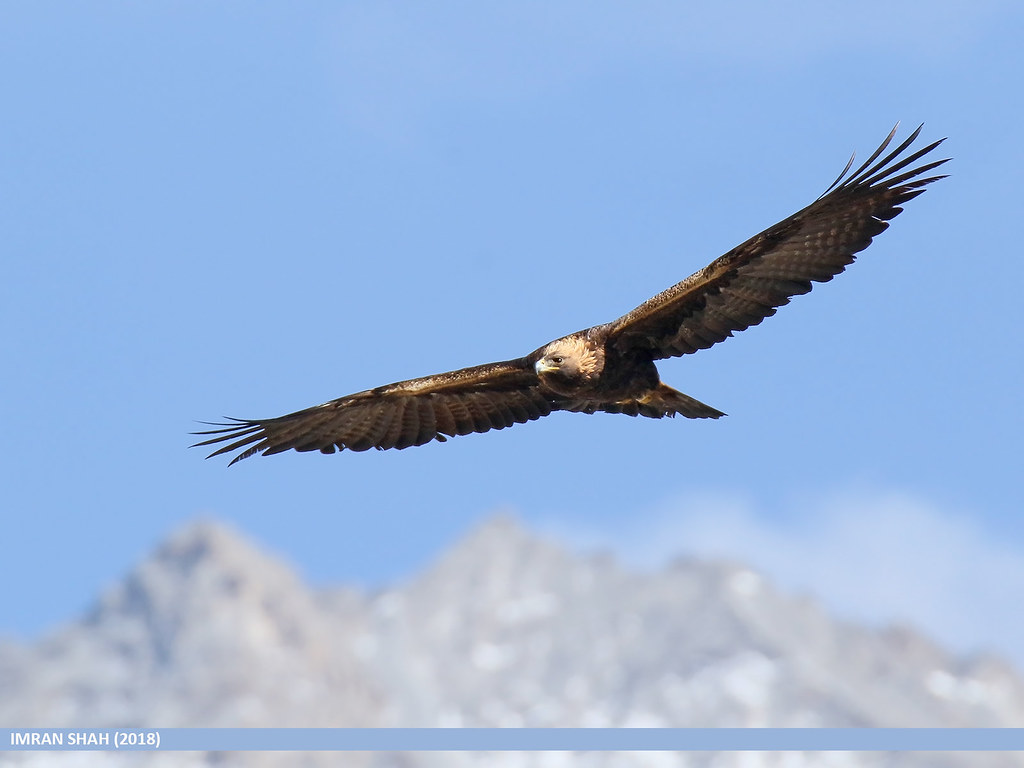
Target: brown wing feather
{"x":414,"y":412}
{"x":748,"y":283}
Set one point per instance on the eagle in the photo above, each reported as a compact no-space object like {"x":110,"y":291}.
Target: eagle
{"x":611,"y":367}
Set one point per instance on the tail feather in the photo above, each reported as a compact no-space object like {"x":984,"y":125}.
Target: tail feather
{"x":665,"y":401}
{"x":656,"y":404}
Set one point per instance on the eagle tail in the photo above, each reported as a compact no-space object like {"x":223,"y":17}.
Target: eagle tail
{"x":656,"y":404}
{"x":665,"y":401}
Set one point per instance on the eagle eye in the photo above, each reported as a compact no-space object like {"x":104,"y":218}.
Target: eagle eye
{"x":557,"y":359}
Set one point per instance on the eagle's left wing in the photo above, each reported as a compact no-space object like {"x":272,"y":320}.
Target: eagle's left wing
{"x":414,"y":412}
{"x":748,"y":283}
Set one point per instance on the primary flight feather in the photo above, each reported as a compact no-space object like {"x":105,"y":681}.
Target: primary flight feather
{"x":611,"y":367}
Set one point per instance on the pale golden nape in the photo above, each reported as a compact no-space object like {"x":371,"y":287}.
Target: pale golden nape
{"x":571,"y":358}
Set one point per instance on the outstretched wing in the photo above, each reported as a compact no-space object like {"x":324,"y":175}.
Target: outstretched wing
{"x":751,"y":281}
{"x":414,"y":412}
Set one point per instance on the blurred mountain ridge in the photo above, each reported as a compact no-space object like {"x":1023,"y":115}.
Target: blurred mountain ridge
{"x":505,"y":629}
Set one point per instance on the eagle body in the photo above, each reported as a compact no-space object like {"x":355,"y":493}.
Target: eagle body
{"x":593,"y":375}
{"x":612,"y":367}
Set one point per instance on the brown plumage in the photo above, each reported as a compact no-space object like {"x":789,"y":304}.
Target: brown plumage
{"x":611,"y":367}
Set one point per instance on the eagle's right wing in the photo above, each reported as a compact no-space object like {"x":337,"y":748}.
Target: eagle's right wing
{"x":752,"y":280}
{"x":414,"y":412}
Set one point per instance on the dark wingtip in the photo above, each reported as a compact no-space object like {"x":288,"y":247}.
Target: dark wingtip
{"x":882,"y":171}
{"x":241,"y":431}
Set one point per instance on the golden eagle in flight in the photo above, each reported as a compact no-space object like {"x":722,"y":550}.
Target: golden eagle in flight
{"x":611,"y":367}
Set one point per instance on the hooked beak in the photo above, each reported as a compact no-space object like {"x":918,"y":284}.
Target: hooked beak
{"x":543,"y":366}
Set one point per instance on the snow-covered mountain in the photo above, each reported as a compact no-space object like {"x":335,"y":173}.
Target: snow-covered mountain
{"x":506,"y":629}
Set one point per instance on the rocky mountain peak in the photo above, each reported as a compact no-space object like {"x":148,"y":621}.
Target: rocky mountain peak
{"x":506,"y":629}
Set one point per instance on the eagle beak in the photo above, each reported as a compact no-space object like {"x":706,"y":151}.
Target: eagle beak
{"x":542,"y":366}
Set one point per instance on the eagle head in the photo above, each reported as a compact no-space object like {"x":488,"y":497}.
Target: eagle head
{"x":567,"y":364}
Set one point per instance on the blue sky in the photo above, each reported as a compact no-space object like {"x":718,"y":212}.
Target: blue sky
{"x":244,"y":210}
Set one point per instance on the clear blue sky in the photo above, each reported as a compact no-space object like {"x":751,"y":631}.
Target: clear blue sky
{"x":238,"y":209}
